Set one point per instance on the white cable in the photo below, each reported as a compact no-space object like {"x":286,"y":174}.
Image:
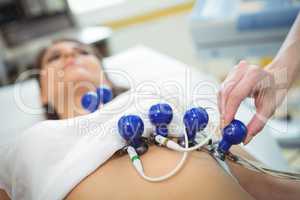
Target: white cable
{"x":139,"y":168}
{"x":253,"y":165}
{"x":138,"y":164}
{"x":135,"y":159}
{"x":174,"y":146}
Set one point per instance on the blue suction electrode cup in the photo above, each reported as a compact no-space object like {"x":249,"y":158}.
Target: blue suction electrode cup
{"x":160,"y":116}
{"x":195,"y":120}
{"x":131,"y":128}
{"x":90,"y":102}
{"x":233,"y":134}
{"x":105,"y":94}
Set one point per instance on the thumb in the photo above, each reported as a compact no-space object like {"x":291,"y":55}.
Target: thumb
{"x":257,"y":123}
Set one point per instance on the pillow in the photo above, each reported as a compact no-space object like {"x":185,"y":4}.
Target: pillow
{"x":21,"y":108}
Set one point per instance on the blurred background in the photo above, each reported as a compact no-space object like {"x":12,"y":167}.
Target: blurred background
{"x":200,"y":33}
{"x":209,"y":35}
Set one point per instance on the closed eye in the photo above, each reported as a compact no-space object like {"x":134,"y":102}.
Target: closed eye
{"x":53,"y":57}
{"x":83,"y":51}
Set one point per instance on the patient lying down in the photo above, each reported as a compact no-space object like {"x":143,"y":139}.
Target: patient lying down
{"x":63,"y":160}
{"x":53,"y":161}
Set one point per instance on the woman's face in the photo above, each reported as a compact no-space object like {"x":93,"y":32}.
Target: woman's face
{"x":68,"y":65}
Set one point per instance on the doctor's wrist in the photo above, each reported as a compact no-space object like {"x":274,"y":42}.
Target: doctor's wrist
{"x":280,"y":74}
{"x":286,"y":65}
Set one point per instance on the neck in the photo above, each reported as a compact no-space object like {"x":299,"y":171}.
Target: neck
{"x":70,"y":104}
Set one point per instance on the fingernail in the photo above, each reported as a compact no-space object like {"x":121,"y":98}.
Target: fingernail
{"x":225,"y":122}
{"x":248,"y":139}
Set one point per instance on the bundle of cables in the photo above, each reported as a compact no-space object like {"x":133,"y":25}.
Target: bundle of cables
{"x":131,"y":128}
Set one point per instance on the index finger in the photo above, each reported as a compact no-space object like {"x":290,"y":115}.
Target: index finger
{"x":242,"y":90}
{"x":227,"y":86}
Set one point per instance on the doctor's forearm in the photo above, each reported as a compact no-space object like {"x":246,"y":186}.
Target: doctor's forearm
{"x":293,"y":35}
{"x":286,"y":64}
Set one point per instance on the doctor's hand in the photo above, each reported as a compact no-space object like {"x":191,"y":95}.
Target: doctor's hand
{"x":248,"y":81}
{"x":251,"y":81}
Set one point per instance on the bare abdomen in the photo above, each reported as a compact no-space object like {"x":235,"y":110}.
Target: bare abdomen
{"x":200,"y":178}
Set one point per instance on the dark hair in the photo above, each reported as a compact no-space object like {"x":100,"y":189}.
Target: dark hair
{"x":50,"y":112}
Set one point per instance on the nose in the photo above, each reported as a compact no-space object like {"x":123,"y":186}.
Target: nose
{"x":69,"y":57}
{"x":69,"y":54}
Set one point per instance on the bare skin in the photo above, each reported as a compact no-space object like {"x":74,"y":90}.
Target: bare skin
{"x":3,"y":195}
{"x":201,"y":177}
{"x":262,"y":186}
